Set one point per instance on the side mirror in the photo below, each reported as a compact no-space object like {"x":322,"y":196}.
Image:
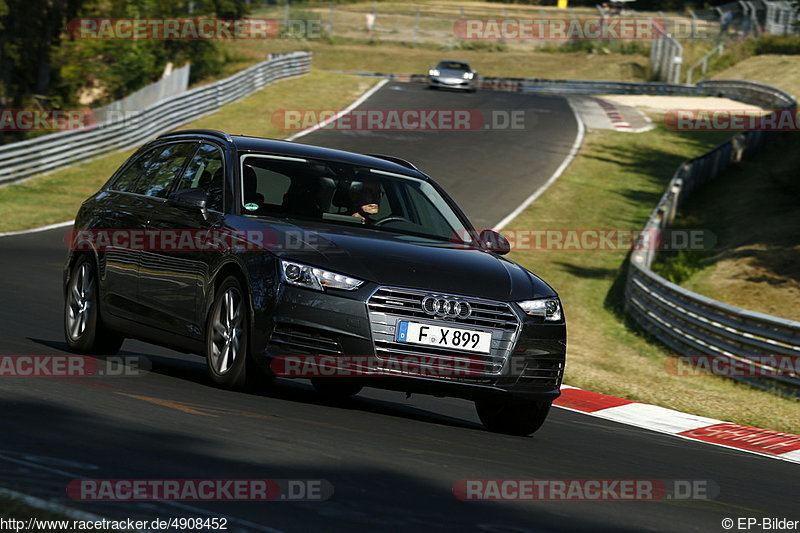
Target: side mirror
{"x":494,"y":242}
{"x":190,"y":199}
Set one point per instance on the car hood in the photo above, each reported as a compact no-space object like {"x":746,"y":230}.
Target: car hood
{"x":397,"y":260}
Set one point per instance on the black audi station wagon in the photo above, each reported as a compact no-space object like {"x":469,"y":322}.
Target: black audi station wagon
{"x":251,"y":252}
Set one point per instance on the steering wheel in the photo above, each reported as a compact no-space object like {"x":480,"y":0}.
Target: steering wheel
{"x":390,"y":219}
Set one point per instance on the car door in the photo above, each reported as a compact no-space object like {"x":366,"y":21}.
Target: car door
{"x":171,"y":278}
{"x":120,"y":212}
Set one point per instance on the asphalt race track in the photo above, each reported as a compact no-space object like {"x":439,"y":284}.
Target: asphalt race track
{"x":392,"y":461}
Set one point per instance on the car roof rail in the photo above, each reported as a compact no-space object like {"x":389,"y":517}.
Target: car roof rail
{"x":393,"y":159}
{"x":213,"y":133}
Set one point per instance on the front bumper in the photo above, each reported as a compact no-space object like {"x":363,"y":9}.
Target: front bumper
{"x":527,"y":358}
{"x":451,"y":83}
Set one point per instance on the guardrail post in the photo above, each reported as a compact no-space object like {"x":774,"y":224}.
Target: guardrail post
{"x":738,"y":143}
{"x":675,"y":191}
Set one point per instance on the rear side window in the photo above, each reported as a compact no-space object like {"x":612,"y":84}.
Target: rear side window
{"x":126,"y":182}
{"x":161,"y":170}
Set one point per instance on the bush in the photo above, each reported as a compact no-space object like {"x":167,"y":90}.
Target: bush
{"x":482,"y":46}
{"x":777,"y":44}
{"x":679,"y":266}
{"x":600,"y":47}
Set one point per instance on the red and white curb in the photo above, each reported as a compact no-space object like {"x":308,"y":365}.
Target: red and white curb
{"x":613,"y":114}
{"x":768,"y":443}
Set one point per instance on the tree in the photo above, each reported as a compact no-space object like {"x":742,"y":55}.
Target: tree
{"x":29,"y":32}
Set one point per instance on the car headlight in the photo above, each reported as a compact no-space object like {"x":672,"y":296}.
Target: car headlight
{"x":468,"y":75}
{"x":546,"y":308}
{"x":433,"y":72}
{"x":316,"y":278}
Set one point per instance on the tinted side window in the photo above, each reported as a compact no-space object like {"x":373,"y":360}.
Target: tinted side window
{"x":207,"y":171}
{"x":273,"y":186}
{"x":126,"y":182}
{"x":161,"y":170}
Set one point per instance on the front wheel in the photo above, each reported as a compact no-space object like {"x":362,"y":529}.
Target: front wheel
{"x":511,"y":415}
{"x":226,"y":336}
{"x":84,"y":330}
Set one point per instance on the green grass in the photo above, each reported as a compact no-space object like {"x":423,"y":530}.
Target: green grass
{"x":56,"y":197}
{"x":614,"y":184}
{"x":754,"y":210}
{"x":402,"y":58}
{"x":782,"y":71}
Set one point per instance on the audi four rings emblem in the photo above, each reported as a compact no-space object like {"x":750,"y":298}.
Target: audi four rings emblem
{"x":446,"y":307}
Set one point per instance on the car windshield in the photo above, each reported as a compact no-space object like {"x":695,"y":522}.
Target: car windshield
{"x":452,"y":65}
{"x":340,"y":193}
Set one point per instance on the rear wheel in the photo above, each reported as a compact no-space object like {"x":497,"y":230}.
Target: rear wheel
{"x":511,"y":415}
{"x":83,"y":327}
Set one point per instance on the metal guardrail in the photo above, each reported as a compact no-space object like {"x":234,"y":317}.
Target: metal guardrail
{"x":719,"y":49}
{"x":42,"y":154}
{"x":692,"y":324}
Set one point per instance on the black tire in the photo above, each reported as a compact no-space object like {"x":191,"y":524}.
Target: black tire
{"x":511,"y":415}
{"x":227,"y":336}
{"x":337,"y":389}
{"x":84,"y":330}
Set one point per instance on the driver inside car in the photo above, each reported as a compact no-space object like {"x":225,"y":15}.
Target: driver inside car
{"x":365,"y":199}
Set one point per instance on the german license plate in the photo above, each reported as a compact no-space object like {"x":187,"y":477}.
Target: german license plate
{"x":466,"y":340}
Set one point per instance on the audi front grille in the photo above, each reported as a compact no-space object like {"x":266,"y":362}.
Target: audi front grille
{"x":388,"y":305}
